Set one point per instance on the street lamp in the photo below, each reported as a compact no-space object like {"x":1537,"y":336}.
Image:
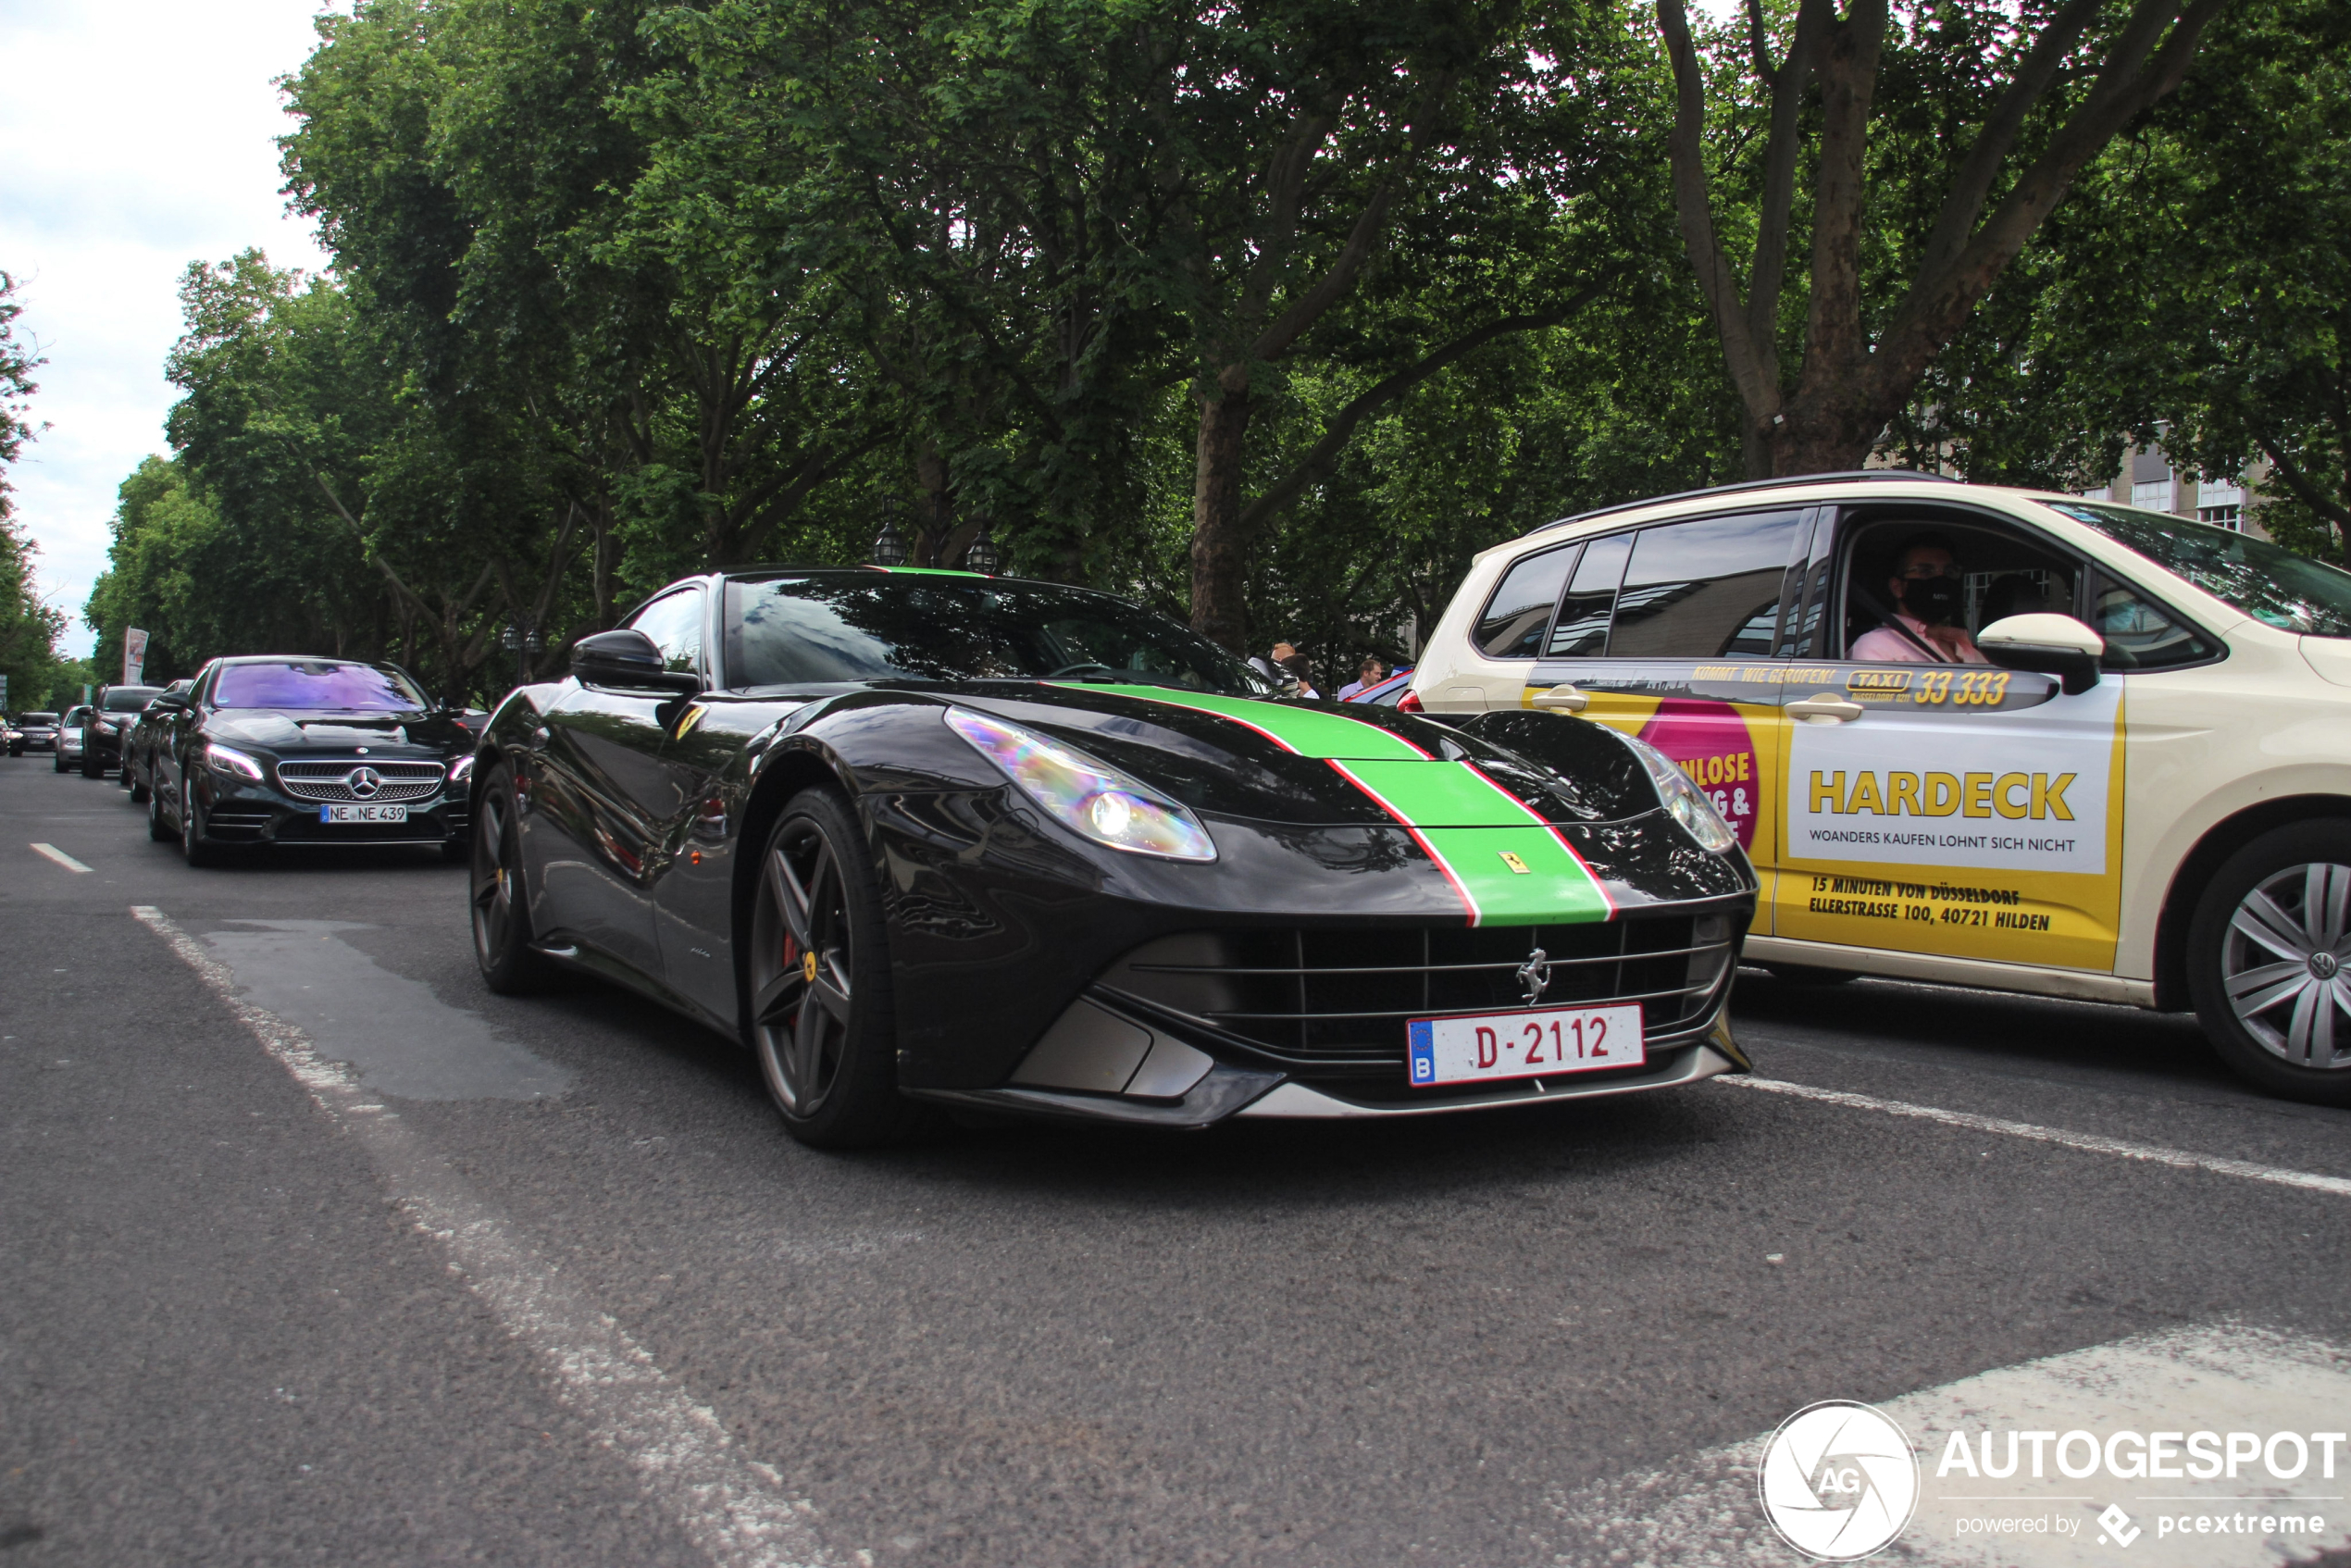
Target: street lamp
{"x":981,"y":554}
{"x":890,"y":545}
{"x":524,"y":639}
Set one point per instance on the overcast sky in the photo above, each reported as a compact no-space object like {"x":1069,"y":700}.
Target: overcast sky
{"x":135,"y":137}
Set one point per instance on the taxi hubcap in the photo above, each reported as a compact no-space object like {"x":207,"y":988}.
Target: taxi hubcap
{"x":2283,"y":964}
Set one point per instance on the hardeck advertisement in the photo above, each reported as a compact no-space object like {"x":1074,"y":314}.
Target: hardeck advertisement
{"x":1963,"y":813}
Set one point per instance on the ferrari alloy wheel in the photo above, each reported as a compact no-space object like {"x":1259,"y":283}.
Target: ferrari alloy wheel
{"x":2268,"y":954}
{"x":510,"y":965}
{"x":819,"y":1010}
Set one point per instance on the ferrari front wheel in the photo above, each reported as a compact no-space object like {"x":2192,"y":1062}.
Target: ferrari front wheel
{"x":818,"y":1013}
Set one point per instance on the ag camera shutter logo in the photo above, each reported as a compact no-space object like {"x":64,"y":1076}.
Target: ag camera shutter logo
{"x":1839,"y":1480}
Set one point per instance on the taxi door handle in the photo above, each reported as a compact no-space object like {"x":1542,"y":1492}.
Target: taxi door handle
{"x":1827,"y":708}
{"x":1564,"y":700}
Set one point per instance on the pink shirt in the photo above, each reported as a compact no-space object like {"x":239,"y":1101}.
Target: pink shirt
{"x":1888,"y":646}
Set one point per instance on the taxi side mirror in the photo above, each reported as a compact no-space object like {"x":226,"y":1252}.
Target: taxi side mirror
{"x":2047,"y":644}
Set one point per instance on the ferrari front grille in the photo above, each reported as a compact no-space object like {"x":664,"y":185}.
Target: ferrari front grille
{"x":1341,"y":998}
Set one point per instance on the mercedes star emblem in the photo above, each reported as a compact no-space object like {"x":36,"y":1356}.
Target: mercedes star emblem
{"x":364,"y":782}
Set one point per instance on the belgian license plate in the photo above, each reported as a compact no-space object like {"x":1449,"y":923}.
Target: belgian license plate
{"x":362,"y":814}
{"x":1537,"y":1042}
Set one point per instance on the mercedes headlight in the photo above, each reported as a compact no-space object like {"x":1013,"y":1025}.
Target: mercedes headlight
{"x":225,"y":760}
{"x":1688,"y":803}
{"x":462,"y":769}
{"x":1089,"y":797}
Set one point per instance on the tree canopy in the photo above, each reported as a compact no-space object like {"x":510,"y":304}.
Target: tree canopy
{"x":1269,"y":314}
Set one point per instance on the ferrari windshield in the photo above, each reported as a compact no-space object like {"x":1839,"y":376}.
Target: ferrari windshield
{"x":329,"y":685}
{"x":871,"y":626}
{"x":2292,"y":592}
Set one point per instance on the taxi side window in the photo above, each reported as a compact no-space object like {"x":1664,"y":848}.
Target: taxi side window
{"x":2140,"y":633}
{"x":1582,"y":629}
{"x":1520,"y":611}
{"x":675,"y":624}
{"x":1707,"y":588}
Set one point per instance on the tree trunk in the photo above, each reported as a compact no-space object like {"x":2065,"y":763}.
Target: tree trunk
{"x":1830,"y":431}
{"x":1219,"y":545}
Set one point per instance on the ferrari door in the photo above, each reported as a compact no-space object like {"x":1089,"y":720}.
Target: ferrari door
{"x":600,"y":796}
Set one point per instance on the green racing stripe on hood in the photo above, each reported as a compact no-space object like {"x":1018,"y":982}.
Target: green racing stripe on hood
{"x":1469,"y":823}
{"x":1465,"y":820}
{"x":1311,"y":732}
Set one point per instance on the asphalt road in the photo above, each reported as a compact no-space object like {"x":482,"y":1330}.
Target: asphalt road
{"x":232,"y":1329}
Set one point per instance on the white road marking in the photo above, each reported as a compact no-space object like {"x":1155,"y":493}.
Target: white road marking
{"x":51,"y":851}
{"x":394,"y":1032}
{"x":726,"y":1501}
{"x":2226,"y":1378}
{"x":2308,"y":1181}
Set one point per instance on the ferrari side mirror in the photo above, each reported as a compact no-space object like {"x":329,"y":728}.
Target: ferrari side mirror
{"x":627,"y":661}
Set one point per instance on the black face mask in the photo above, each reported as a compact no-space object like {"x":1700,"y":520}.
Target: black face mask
{"x":1934,"y":600}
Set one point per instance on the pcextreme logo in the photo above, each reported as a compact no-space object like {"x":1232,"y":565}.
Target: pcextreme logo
{"x":1839,"y":1480}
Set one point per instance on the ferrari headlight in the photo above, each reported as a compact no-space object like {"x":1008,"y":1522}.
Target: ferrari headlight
{"x":462,"y":769}
{"x":1688,"y":803}
{"x":1092,"y":797}
{"x":227,"y":760}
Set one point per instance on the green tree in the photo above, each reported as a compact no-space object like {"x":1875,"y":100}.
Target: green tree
{"x":28,"y":625}
{"x":1921,"y":147}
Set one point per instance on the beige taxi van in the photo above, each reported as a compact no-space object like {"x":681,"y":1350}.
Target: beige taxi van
{"x":2108,"y":757}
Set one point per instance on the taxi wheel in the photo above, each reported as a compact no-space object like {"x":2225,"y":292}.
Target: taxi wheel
{"x":818,"y":1010}
{"x":2268,"y":953}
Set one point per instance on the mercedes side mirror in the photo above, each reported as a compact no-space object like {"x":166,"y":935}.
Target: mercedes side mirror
{"x":168,"y":704}
{"x":627,"y":661}
{"x":2047,"y":644}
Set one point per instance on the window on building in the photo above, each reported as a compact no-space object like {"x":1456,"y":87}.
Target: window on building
{"x":2104,"y":492}
{"x":2153,"y":495}
{"x":2222,"y":516}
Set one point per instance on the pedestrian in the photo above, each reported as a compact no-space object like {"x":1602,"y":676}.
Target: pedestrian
{"x":1372,"y":673}
{"x":1300,"y":671}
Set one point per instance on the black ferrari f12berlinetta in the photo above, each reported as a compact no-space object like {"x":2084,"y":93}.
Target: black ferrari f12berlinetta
{"x":932,"y":837}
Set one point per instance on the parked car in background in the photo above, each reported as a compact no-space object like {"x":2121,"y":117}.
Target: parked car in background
{"x":116,"y":709}
{"x":284,"y":748}
{"x":138,"y":746}
{"x":70,"y":727}
{"x":1396,"y":692}
{"x":33,"y":732}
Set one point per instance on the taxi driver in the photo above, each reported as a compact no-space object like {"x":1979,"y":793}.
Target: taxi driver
{"x":1925,"y":627}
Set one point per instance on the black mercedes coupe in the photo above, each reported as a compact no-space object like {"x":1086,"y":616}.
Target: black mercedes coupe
{"x":935,"y":838}
{"x":275,"y":748}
